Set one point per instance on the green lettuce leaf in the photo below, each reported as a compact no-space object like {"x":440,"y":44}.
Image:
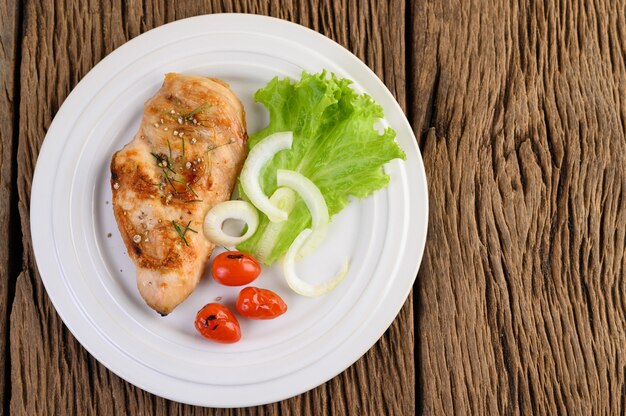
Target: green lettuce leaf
{"x":335,"y":145}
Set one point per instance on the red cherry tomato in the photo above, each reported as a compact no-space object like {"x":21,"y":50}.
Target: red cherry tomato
{"x":217,"y":323}
{"x":233,"y":268}
{"x":255,"y":303}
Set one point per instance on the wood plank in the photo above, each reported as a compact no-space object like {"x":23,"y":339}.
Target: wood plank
{"x":51,"y":372}
{"x":8,"y":105}
{"x":521,"y":115}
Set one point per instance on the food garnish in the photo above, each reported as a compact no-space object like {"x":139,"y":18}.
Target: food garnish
{"x":182,"y":231}
{"x":335,"y":145}
{"x":234,"y":268}
{"x":315,"y":203}
{"x":321,"y":143}
{"x":217,"y":323}
{"x":284,"y":199}
{"x":251,"y":173}
{"x":190,"y":115}
{"x":300,"y":286}
{"x":238,"y":210}
{"x":256,"y":303}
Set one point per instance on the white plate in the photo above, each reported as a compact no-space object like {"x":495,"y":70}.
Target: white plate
{"x":91,"y":281}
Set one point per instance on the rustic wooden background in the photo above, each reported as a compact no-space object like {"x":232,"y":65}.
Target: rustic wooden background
{"x":520,"y":112}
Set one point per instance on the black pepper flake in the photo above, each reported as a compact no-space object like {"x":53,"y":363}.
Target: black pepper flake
{"x":215,"y":327}
{"x":109,"y":235}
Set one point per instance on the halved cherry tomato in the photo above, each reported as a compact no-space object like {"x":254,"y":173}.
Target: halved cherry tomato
{"x":234,"y":268}
{"x":217,"y":323}
{"x":255,"y":303}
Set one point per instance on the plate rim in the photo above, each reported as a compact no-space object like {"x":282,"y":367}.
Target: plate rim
{"x":36,"y":194}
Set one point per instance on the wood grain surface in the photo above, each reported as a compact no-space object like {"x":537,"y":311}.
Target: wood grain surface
{"x":9,"y":241}
{"x":519,"y":108}
{"x":50,"y":373}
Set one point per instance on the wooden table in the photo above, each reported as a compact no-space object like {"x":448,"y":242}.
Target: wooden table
{"x":520,"y":112}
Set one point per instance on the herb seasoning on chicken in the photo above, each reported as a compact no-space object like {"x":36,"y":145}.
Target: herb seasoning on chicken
{"x":184,"y":159}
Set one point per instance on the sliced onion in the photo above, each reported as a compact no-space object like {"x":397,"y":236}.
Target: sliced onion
{"x":284,"y":199}
{"x":300,"y":286}
{"x":237,"y":210}
{"x":260,"y":154}
{"x":314,"y":201}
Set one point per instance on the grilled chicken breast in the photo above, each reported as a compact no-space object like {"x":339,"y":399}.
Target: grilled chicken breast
{"x":184,"y":159}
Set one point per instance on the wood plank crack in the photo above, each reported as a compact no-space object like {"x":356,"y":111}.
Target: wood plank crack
{"x":10,"y":231}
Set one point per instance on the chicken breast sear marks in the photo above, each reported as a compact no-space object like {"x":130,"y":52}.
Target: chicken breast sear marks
{"x":184,"y":159}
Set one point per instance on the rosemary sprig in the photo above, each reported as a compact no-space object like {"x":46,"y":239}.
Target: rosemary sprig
{"x":169,"y":180}
{"x":169,"y":146}
{"x":182,"y":163}
{"x":199,"y":109}
{"x":187,"y":228}
{"x":167,"y":164}
{"x":172,"y":180}
{"x":213,"y":146}
{"x":184,"y":182}
{"x":191,"y":189}
{"x":160,"y":160}
{"x":181,"y":233}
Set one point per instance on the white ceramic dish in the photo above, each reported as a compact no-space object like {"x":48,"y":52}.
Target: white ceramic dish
{"x":91,"y":281}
